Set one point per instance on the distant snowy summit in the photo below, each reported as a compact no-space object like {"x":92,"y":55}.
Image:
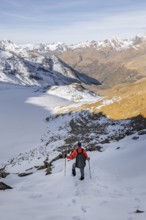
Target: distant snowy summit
{"x":115,"y":43}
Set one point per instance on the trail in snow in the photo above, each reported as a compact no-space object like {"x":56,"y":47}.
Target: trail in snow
{"x":107,"y":195}
{"x":117,"y":187}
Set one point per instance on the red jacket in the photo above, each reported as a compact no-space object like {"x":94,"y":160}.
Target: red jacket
{"x":74,"y":154}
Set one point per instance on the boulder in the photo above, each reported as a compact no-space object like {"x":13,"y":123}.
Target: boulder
{"x":139,"y":211}
{"x":3,"y":174}
{"x":49,"y":170}
{"x":24,"y":174}
{"x":135,"y":137}
{"x":4,"y":186}
{"x":142,"y":132}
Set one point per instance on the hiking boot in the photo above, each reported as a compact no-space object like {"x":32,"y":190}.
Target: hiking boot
{"x":82,"y":178}
{"x":73,"y":172}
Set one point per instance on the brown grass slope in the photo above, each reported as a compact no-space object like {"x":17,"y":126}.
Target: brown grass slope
{"x":132,"y":101}
{"x":109,"y":66}
{"x":129,"y":101}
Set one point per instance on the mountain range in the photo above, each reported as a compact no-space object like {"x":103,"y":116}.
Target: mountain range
{"x":110,"y":62}
{"x":20,"y":66}
{"x":110,"y":68}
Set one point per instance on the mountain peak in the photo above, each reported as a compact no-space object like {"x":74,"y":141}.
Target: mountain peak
{"x":7,"y":45}
{"x":114,"y":42}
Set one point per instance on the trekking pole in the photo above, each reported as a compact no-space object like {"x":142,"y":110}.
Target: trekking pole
{"x":89,"y":168}
{"x":65,"y":167}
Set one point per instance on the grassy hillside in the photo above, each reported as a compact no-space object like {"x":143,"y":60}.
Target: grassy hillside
{"x":109,"y":66}
{"x":129,"y":100}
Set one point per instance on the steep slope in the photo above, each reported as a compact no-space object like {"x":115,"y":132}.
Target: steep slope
{"x":111,"y":62}
{"x":115,"y":190}
{"x":109,"y":73}
{"x":117,"y":185}
{"x":109,"y":187}
{"x":41,"y":71}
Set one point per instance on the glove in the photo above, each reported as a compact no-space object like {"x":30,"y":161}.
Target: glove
{"x":65,"y":155}
{"x":88,"y":158}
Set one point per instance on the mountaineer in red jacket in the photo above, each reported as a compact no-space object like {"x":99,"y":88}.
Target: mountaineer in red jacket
{"x":81,"y":156}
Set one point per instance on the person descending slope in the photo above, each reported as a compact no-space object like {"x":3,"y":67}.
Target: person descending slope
{"x":81,"y":156}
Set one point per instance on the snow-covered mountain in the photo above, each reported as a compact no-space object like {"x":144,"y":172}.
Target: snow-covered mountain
{"x":115,"y":43}
{"x":41,"y":70}
{"x":40,"y":64}
{"x":112,"y":62}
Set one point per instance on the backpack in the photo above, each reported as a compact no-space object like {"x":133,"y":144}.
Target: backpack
{"x":80,"y":159}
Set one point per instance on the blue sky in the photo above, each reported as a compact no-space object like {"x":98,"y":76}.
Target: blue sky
{"x":70,"y":21}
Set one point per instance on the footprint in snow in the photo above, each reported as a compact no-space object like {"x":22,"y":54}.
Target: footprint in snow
{"x":103,"y":203}
{"x":137,"y":199}
{"x":35,"y":196}
{"x":74,"y":201}
{"x":76,"y":218}
{"x":83,"y":209}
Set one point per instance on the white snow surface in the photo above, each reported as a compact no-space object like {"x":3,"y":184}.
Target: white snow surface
{"x":21,"y":124}
{"x":116,"y":189}
{"x":71,"y":92}
{"x":22,"y":115}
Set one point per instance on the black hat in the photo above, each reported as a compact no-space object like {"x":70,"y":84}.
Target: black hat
{"x":79,"y":144}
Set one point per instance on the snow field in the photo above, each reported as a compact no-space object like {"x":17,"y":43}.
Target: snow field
{"x":115,"y":191}
{"x":107,"y":195}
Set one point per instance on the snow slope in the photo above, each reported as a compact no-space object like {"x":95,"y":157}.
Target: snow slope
{"x":74,"y":92}
{"x":115,"y":191}
{"x":17,"y":133}
{"x":22,"y":125}
{"x":23,"y":112}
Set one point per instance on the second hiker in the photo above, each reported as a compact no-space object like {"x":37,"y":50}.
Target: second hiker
{"x":81,"y":156}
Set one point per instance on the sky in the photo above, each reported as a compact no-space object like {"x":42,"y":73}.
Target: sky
{"x":70,"y":21}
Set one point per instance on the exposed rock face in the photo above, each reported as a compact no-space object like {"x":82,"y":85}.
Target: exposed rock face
{"x":139,"y":211}
{"x":24,"y":174}
{"x":4,"y":186}
{"x":3,"y":174}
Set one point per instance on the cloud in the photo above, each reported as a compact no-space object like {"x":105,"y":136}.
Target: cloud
{"x":123,"y":25}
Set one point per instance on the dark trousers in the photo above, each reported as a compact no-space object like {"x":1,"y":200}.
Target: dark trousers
{"x":81,"y":169}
